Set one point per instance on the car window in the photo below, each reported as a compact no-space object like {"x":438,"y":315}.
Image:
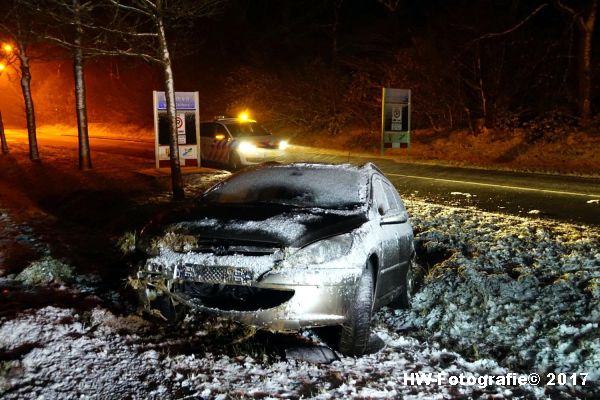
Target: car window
{"x":207,"y":129}
{"x":379,"y":198}
{"x":389,"y":195}
{"x":245,"y":129}
{"x":220,"y":130}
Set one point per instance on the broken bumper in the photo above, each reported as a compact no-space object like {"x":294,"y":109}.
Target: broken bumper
{"x":317,"y":297}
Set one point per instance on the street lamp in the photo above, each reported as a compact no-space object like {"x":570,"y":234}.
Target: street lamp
{"x":7,"y":47}
{"x":2,"y":67}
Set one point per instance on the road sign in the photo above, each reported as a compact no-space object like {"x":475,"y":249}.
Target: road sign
{"x":188,"y":129}
{"x":395,"y":118}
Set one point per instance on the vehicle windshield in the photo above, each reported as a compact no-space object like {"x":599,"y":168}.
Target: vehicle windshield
{"x":239,"y":129}
{"x":295,"y":185}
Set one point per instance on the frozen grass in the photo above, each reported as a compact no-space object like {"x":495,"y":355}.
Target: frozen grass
{"x":46,"y":270}
{"x":520,"y":290}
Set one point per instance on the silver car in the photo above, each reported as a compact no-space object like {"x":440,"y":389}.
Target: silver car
{"x":285,"y":247}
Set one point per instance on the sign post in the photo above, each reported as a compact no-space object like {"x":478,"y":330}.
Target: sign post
{"x":187,"y":112}
{"x":395,"y":119}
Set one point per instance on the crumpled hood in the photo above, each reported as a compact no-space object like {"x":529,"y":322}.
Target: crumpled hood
{"x":273,"y":225}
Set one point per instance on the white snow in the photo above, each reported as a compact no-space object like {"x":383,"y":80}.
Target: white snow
{"x":461,"y":194}
{"x":73,"y":359}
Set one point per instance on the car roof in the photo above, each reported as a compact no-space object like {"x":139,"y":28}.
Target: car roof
{"x":226,"y":120}
{"x":367,"y":168}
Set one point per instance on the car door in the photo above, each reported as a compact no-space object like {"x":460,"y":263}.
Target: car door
{"x":207,"y":135}
{"x":215,"y":142}
{"x":402,"y":230}
{"x":389,"y":269}
{"x":221,"y":144}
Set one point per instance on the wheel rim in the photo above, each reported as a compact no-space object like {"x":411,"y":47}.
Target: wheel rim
{"x":409,"y":282}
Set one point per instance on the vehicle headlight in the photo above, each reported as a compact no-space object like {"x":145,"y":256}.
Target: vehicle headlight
{"x":246,"y":147}
{"x":283,"y":144}
{"x":323,"y":250}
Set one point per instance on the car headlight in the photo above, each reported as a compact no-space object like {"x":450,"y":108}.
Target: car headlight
{"x":323,"y":250}
{"x":246,"y":147}
{"x":283,"y":144}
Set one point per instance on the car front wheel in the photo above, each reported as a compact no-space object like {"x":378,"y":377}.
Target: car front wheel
{"x":356,"y":331}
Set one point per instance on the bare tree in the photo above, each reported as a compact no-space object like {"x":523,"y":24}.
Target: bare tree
{"x":139,"y":28}
{"x":18,"y":28}
{"x":61,"y":22}
{"x":585,"y":20}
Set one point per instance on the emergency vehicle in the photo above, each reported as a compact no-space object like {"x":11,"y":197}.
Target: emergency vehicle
{"x":238,"y":142}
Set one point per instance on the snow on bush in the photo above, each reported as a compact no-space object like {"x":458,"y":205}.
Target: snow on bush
{"x":523,"y":291}
{"x":44,"y":271}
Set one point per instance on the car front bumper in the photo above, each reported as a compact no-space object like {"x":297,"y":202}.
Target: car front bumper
{"x":321,"y":297}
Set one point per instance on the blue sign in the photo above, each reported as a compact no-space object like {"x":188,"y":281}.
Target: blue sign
{"x":183,"y":101}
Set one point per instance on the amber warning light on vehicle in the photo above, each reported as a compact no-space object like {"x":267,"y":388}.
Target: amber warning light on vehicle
{"x":244,"y":116}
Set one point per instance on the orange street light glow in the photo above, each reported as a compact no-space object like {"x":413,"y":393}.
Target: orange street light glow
{"x":7,"y":48}
{"x":2,"y":67}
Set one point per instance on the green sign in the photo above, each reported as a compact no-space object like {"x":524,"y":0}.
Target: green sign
{"x":395,"y":119}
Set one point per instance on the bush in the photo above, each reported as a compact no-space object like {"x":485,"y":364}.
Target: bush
{"x":551,"y":126}
{"x":44,"y":271}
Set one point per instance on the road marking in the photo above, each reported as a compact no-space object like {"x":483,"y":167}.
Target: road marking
{"x":494,"y":185}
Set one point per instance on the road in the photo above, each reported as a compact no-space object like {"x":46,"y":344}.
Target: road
{"x":566,"y":198}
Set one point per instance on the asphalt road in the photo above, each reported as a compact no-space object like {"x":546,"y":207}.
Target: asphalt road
{"x":566,"y":198}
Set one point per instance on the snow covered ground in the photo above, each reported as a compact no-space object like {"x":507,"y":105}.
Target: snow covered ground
{"x":502,"y":294}
{"x":523,"y":291}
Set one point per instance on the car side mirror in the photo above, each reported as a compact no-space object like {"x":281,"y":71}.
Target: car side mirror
{"x":400,"y":218}
{"x":381,"y":210}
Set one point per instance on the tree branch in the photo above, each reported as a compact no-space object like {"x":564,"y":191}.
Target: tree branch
{"x":571,"y":12}
{"x":514,"y":28}
{"x":131,"y":8}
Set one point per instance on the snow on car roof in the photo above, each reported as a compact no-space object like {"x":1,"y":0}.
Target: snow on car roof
{"x":299,"y":184}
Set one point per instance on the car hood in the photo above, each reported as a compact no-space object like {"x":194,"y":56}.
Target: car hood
{"x":270,"y":225}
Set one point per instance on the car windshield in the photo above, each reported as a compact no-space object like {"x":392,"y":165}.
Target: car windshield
{"x":297,"y":185}
{"x":239,"y":129}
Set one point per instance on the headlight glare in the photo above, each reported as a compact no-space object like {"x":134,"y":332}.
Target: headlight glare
{"x":283,"y":144}
{"x":246,"y":147}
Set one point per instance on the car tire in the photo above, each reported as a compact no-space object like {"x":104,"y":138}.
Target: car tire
{"x":405,"y":297}
{"x":235,"y":163}
{"x":356,"y":331}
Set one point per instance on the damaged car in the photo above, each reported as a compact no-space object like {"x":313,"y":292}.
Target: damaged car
{"x":283,"y":248}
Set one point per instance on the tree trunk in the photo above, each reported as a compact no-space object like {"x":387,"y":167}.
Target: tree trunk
{"x":34,"y":154}
{"x":585,"y":76}
{"x":176,"y":178}
{"x":85,"y":160}
{"x":3,"y":136}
